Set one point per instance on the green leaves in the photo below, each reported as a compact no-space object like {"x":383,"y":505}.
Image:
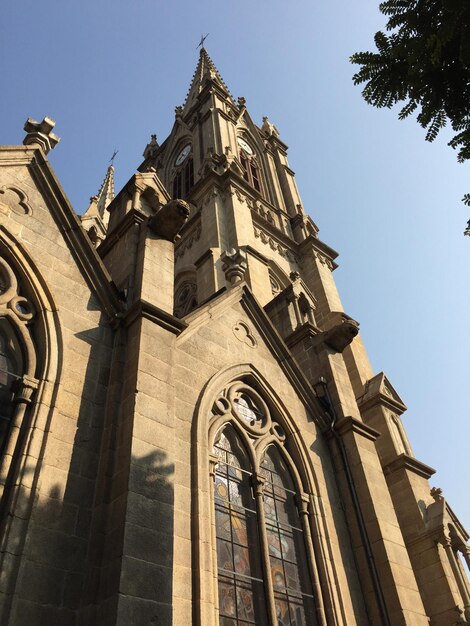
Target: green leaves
{"x":425,"y":63}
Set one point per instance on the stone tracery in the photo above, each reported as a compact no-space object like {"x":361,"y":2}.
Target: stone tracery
{"x":264,"y":554}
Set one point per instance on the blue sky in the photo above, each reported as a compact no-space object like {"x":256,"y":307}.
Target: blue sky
{"x":111,"y":72}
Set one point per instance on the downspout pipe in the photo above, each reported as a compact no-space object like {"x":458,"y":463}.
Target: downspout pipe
{"x":323,"y":395}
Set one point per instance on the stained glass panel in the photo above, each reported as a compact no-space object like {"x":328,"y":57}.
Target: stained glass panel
{"x":287,"y":551}
{"x":248,"y":410}
{"x":241,"y":589}
{"x":10,"y":372}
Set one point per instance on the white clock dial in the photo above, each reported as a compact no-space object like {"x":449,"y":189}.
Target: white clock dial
{"x":244,"y":145}
{"x":182,"y":156}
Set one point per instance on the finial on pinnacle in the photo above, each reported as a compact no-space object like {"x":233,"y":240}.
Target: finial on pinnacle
{"x":39,"y":133}
{"x":269,"y":128}
{"x":151,"y":147}
{"x":201,"y":43}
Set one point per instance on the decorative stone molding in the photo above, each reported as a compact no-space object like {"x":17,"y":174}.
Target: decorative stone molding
{"x":324,"y":260}
{"x":15,"y":199}
{"x":258,"y":483}
{"x":274,"y":245}
{"x":20,"y":307}
{"x":186,"y":242}
{"x":257,"y":207}
{"x":243,"y":333}
{"x":234,"y":265}
{"x":26,"y":390}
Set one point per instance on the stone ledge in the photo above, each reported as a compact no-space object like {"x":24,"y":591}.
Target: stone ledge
{"x":146,"y":310}
{"x":406,"y":462}
{"x":348,"y":423}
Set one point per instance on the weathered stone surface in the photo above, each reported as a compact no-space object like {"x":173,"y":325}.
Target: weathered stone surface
{"x":107,"y":480}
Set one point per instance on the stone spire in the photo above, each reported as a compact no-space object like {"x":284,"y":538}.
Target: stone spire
{"x":205,"y":71}
{"x":95,"y":219}
{"x":106,"y":193}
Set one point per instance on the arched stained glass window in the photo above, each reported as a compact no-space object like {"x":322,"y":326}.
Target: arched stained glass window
{"x":287,"y":550}
{"x":265,"y":562}
{"x":240,"y":579}
{"x":10,"y":372}
{"x":247,"y":409}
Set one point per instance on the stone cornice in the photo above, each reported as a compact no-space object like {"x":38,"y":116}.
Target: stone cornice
{"x":274,"y":232}
{"x":143,"y":309}
{"x":405,"y":462}
{"x":378,"y":391}
{"x":300,"y":333}
{"x":78,"y":241}
{"x":351,"y":424}
{"x":208,"y":254}
{"x":257,"y":254}
{"x":17,"y":155}
{"x":279,"y":144}
{"x":380,"y":400}
{"x":319,"y":246}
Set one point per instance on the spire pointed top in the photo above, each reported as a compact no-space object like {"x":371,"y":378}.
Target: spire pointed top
{"x":106,"y":193}
{"x":104,"y":197}
{"x":205,"y":70}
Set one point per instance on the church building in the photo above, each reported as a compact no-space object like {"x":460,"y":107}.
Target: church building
{"x":191,"y":433}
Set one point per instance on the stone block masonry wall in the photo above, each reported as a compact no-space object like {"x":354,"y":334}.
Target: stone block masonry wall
{"x":45,"y":540}
{"x":203,"y":351}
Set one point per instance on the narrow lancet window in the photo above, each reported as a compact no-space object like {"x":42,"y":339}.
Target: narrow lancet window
{"x":249,"y":165}
{"x":240,"y":579}
{"x":287,"y":550}
{"x":10,"y":373}
{"x":183,"y":178}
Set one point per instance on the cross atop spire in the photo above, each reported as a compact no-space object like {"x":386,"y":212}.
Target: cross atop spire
{"x":203,"y":39}
{"x":205,"y":70}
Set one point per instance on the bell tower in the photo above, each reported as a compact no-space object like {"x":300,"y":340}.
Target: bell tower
{"x":243,"y":196}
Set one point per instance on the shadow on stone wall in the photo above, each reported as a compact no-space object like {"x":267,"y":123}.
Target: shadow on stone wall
{"x":344,"y":521}
{"x":103,"y":534}
{"x":135,"y":563}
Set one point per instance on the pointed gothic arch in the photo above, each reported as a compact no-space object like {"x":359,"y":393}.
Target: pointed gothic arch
{"x":185,"y":291}
{"x":180,"y":172}
{"x":251,"y":162}
{"x":263,"y":424}
{"x":28,"y":312}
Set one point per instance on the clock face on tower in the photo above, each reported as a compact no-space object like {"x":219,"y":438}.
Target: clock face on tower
{"x":182,"y":156}
{"x":244,"y":145}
